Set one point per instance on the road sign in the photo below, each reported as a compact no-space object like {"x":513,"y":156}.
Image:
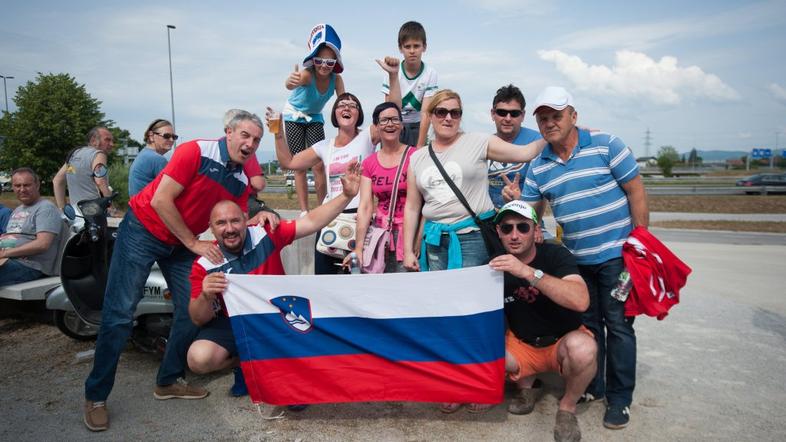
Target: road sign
{"x":761,"y":153}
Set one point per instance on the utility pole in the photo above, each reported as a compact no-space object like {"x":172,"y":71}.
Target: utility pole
{"x":5,"y":89}
{"x":647,"y":143}
{"x":171,"y":87}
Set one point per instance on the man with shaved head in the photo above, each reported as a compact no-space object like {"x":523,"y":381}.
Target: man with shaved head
{"x":253,"y":249}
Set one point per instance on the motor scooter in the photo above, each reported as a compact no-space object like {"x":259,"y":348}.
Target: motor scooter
{"x":77,"y":302}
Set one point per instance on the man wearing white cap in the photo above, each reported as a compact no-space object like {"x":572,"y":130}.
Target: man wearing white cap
{"x":544,"y":298}
{"x":593,"y":185}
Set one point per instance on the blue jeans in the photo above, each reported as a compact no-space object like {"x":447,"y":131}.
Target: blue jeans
{"x":605,"y":317}
{"x":12,"y":272}
{"x":473,"y":251}
{"x":136,"y":249}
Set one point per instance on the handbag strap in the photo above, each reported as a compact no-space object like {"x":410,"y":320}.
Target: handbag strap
{"x":394,"y":195}
{"x":450,"y":182}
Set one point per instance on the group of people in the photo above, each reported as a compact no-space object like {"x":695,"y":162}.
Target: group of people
{"x":431,"y":195}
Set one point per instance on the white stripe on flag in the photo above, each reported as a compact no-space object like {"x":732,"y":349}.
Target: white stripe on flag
{"x":394,"y":295}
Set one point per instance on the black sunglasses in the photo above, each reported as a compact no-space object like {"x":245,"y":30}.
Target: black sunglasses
{"x":167,"y":136}
{"x":505,"y":112}
{"x":441,"y":112}
{"x":507,"y":228}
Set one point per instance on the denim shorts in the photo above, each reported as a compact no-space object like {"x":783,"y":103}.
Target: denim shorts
{"x":219,"y":330}
{"x":473,"y":251}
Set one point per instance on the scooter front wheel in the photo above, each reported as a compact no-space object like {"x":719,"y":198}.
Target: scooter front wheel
{"x":74,"y":327}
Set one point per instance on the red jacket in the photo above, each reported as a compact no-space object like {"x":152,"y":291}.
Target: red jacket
{"x":657,"y":275}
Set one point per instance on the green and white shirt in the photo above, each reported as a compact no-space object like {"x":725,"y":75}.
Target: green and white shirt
{"x":414,"y":90}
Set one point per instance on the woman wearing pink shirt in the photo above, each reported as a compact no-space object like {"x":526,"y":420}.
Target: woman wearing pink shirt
{"x":379,"y":173}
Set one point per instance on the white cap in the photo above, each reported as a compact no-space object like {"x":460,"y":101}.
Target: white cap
{"x":517,"y":206}
{"x":555,"y":97}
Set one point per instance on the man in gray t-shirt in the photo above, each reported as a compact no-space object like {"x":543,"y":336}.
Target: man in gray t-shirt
{"x":28,"y":249}
{"x":78,"y":172}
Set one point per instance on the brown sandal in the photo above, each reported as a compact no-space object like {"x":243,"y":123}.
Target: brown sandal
{"x":450,"y":407}
{"x":479,"y":408}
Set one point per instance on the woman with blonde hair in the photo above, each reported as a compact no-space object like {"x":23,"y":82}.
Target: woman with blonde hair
{"x":451,"y":238}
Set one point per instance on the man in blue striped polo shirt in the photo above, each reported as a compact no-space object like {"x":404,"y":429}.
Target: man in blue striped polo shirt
{"x":593,"y":185}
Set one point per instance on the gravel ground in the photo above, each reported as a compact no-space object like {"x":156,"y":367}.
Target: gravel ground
{"x":712,"y":370}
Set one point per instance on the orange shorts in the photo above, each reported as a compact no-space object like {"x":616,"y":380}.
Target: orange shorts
{"x":534,"y":360}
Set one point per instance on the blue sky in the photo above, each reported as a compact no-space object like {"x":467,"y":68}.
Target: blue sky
{"x":709,"y":75}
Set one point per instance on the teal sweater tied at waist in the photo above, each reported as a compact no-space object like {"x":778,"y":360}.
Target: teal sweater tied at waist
{"x":432,"y":234}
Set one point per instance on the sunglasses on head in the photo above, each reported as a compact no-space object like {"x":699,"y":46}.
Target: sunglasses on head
{"x":515,"y":113}
{"x":167,"y":136}
{"x":508,"y":228}
{"x":441,"y":112}
{"x":329,"y":62}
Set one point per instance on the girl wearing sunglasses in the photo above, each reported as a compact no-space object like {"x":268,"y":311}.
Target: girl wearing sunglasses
{"x":311,"y":89}
{"x":159,"y":139}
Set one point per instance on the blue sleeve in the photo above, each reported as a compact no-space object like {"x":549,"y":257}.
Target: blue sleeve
{"x":621,"y":161}
{"x":5,"y":213}
{"x":531,"y":192}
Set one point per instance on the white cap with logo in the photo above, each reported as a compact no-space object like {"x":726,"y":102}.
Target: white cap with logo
{"x":519,"y":207}
{"x":555,"y":97}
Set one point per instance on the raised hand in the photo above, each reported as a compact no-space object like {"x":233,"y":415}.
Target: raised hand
{"x":389,"y":64}
{"x":511,"y":191}
{"x":350,"y":181}
{"x":294,"y":78}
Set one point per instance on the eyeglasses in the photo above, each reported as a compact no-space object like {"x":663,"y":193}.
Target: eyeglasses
{"x":329,"y":62}
{"x":392,"y":120}
{"x":167,"y":136}
{"x":347,"y":105}
{"x":441,"y":112}
{"x":508,"y":228}
{"x":514,"y":113}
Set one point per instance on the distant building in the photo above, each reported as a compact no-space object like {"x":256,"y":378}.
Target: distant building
{"x":647,"y":162}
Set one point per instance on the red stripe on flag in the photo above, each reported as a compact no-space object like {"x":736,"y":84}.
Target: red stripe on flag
{"x":367,"y":378}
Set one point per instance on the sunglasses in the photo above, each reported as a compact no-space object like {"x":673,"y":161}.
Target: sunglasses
{"x":441,"y":112}
{"x":329,"y":62}
{"x":508,"y":228}
{"x":391,"y":120}
{"x":505,"y":112}
{"x":167,"y":136}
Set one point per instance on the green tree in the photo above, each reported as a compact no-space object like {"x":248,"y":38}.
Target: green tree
{"x":667,"y":158}
{"x":54,"y":113}
{"x":694,"y":159}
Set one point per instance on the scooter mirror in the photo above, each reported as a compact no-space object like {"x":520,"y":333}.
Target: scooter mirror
{"x":100,"y":171}
{"x":69,"y":212}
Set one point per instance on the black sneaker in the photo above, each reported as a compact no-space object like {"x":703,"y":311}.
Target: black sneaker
{"x":616,"y":417}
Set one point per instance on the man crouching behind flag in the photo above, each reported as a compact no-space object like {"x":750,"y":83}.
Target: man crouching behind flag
{"x":253,"y":249}
{"x":428,"y":337}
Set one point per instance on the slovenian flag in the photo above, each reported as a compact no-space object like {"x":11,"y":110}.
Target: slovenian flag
{"x":430,"y":337}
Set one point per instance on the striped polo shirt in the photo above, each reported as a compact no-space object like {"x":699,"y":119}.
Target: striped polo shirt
{"x":585,"y":194}
{"x":261,"y":255}
{"x":204,"y":169}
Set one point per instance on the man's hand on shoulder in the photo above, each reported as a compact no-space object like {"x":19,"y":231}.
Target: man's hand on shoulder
{"x":511,"y":264}
{"x":207,"y":249}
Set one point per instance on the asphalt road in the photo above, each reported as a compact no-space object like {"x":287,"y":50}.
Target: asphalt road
{"x":712,"y":370}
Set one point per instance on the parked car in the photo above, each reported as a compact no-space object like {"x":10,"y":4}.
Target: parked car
{"x":764,"y":179}
{"x":290,"y":180}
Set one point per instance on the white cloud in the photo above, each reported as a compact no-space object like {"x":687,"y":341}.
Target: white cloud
{"x":744,"y":135}
{"x":637,"y":76}
{"x":778,"y":91}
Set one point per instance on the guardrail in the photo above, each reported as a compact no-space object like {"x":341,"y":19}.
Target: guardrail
{"x":714,"y":190}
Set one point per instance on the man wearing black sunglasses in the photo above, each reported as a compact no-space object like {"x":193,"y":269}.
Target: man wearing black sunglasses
{"x":544,"y":298}
{"x":506,"y":180}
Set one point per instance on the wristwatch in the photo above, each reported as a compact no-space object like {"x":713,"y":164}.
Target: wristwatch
{"x":538,"y":277}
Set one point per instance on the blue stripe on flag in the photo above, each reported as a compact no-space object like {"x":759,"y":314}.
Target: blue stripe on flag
{"x":467,"y":339}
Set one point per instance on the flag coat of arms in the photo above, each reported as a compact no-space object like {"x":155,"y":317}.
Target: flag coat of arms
{"x":429,"y":337}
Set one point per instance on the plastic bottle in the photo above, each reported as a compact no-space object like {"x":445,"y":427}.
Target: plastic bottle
{"x":621,"y":291}
{"x":354,"y":265}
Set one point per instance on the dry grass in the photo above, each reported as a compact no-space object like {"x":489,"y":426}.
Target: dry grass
{"x":735,"y":226}
{"x":719,"y":203}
